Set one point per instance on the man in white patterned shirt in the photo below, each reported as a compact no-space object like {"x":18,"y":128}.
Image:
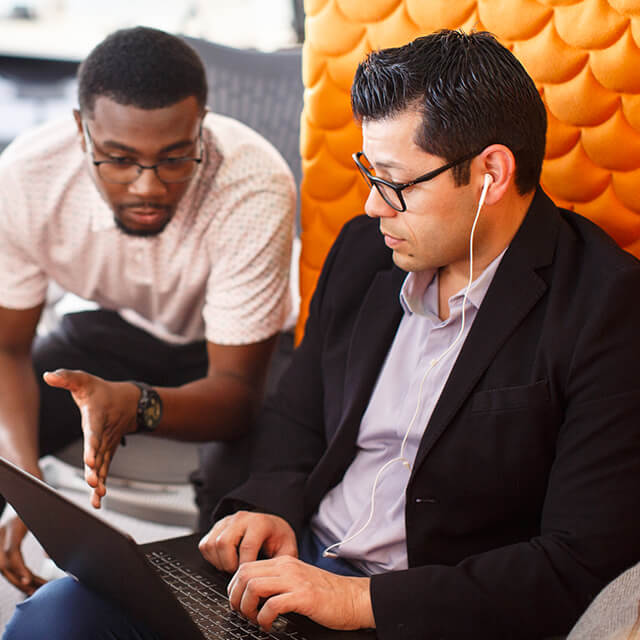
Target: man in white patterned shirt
{"x":178,"y":224}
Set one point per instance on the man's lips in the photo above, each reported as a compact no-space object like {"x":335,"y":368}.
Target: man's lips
{"x":145,"y":209}
{"x":145,"y":213}
{"x":390,"y":240}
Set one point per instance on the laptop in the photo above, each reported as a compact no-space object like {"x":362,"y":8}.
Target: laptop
{"x":167,"y":584}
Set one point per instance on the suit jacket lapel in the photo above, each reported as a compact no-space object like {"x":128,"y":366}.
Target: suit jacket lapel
{"x":373,"y":334}
{"x":515,"y":289}
{"x":371,"y":338}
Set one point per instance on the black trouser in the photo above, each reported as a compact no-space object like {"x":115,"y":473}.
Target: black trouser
{"x":102,"y":343}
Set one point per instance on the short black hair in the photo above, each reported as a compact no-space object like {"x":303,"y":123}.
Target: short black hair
{"x":472,"y":92}
{"x":142,"y":67}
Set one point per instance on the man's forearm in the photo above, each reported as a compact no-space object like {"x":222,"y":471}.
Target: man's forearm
{"x":217,"y":407}
{"x":19,"y":403}
{"x":221,"y":405}
{"x":212,"y":408}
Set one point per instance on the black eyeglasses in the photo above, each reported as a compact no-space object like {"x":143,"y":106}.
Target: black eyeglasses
{"x":127,"y":171}
{"x":391,"y":192}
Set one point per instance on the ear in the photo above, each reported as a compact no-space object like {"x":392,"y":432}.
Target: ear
{"x":498,"y":162}
{"x":77,"y":116}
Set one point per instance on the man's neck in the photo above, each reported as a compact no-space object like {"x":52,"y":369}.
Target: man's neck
{"x":506,"y":218}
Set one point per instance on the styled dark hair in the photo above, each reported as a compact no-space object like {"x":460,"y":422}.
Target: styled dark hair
{"x":142,"y":67}
{"x":472,"y":92}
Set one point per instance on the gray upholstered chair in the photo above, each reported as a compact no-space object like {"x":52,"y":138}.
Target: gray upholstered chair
{"x":262,"y":89}
{"x":615,"y":612}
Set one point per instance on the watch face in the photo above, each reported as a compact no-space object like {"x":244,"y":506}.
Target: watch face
{"x":151,"y":414}
{"x":149,"y":410}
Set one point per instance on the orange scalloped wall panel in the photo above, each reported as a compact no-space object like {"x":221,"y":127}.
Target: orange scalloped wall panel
{"x":584,"y":56}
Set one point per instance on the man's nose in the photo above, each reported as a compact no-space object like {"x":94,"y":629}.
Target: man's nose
{"x":377,"y":207}
{"x":148,"y":184}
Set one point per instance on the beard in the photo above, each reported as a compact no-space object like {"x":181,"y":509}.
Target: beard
{"x":120,"y":220}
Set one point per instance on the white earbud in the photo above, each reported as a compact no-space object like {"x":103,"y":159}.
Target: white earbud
{"x":488,"y":179}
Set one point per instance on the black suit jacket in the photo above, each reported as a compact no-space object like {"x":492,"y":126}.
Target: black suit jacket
{"x":524,"y":499}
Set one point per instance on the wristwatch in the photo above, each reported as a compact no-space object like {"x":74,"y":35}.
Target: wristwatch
{"x":149,"y":411}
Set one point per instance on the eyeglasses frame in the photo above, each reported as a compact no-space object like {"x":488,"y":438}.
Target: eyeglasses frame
{"x":374,"y":181}
{"x":141,"y":167}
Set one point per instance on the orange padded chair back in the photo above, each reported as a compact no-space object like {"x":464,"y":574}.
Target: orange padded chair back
{"x":584,"y":56}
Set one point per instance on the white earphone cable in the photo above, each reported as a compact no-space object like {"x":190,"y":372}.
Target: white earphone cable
{"x":327,"y":553}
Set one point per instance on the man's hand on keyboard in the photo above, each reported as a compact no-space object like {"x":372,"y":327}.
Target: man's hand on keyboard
{"x":287,"y":584}
{"x":240,"y":537}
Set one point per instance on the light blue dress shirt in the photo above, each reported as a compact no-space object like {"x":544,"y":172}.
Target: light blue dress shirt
{"x":423,"y":353}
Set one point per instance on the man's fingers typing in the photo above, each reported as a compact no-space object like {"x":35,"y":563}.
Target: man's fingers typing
{"x":261,"y":582}
{"x":252,"y":542}
{"x":287,"y":547}
{"x":214,"y":545}
{"x":275,"y":606}
{"x":287,"y":584}
{"x":256,"y":595}
{"x":239,"y":538}
{"x":226,"y":545}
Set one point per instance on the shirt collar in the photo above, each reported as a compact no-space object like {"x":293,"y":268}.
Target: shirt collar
{"x":419,"y":290}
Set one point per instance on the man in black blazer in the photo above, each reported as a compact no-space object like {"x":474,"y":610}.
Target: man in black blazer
{"x":455,"y":449}
{"x":523,"y":498}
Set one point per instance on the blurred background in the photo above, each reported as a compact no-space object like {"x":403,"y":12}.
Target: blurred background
{"x":42,"y":41}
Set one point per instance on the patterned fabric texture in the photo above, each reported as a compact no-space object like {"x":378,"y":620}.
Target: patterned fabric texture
{"x":220,"y":269}
{"x":615,"y":613}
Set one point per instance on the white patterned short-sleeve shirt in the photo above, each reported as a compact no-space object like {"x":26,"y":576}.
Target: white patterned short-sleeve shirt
{"x":219,"y":270}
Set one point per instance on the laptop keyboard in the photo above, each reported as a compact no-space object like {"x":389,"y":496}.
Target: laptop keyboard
{"x":209,"y":608}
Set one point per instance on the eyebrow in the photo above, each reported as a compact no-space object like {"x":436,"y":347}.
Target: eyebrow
{"x":114,"y":144}
{"x":389,"y":165}
{"x":385,"y":163}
